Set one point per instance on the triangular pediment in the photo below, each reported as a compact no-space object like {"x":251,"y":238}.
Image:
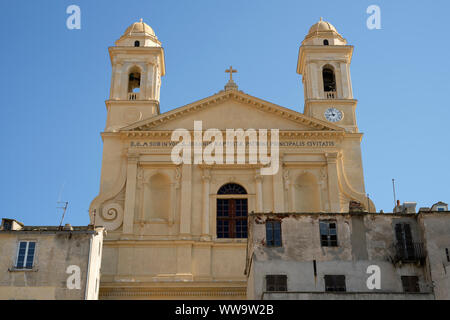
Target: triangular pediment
{"x":229,"y":110}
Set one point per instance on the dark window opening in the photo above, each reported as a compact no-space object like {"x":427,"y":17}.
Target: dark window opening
{"x":137,"y":44}
{"x":315,"y":268}
{"x":25,"y":256}
{"x":328,"y":234}
{"x":448,"y":254}
{"x":335,"y":283}
{"x":276,"y":283}
{"x":7,"y":224}
{"x":404,"y":245}
{"x":329,"y":80}
{"x":134,"y":81}
{"x":325,"y":42}
{"x":410,"y":284}
{"x":273,"y":233}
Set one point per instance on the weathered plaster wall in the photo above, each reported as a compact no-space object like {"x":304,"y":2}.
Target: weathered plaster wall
{"x":54,"y":253}
{"x":436,"y":231}
{"x":363,"y":240}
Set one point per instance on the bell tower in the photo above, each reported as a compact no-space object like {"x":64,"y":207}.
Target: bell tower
{"x":137,"y":67}
{"x":324,"y":63}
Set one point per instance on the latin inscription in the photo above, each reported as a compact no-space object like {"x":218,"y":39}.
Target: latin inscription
{"x":298,"y":143}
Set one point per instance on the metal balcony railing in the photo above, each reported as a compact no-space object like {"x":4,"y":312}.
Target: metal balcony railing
{"x":409,"y":252}
{"x":133,"y":96}
{"x":330,"y":94}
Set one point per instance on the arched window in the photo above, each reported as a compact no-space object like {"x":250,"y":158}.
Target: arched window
{"x":329,"y":79}
{"x":232,"y":213}
{"x":325,"y":42}
{"x":231,"y":188}
{"x":134,"y":83}
{"x":137,"y":43}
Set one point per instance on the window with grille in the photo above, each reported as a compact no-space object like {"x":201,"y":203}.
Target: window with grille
{"x":276,"y":283}
{"x":232,"y":218}
{"x":410,"y":284}
{"x":232,"y":213}
{"x":25,"y":255}
{"x":328,"y":234}
{"x":335,"y":283}
{"x":273,"y":233}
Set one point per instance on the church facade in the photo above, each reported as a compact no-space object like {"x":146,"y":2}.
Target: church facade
{"x":178,"y":230}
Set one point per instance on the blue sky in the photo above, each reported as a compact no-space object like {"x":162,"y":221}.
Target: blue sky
{"x":55,"y":81}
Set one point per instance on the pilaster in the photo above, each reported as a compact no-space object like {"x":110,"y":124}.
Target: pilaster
{"x":186,"y":201}
{"x":333,"y":182}
{"x":206,"y":179}
{"x":259,"y":191}
{"x":130,"y":193}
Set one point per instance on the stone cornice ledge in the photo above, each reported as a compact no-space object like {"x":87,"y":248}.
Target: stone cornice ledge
{"x":285,"y":134}
{"x":178,"y":291}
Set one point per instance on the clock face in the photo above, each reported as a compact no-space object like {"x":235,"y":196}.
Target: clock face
{"x":333,"y":115}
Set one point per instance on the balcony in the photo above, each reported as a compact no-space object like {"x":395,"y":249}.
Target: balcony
{"x":409,"y":252}
{"x":133,"y":96}
{"x":330,"y":95}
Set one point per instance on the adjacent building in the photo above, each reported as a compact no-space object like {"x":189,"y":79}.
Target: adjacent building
{"x":334,"y":256}
{"x":51,"y":263}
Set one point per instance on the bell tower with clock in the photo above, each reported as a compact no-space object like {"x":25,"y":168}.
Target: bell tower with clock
{"x":324,"y":63}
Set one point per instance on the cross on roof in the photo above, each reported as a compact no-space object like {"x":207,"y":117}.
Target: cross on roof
{"x":231,"y":71}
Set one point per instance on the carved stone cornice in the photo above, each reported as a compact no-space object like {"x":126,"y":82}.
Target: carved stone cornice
{"x":282,"y":134}
{"x":172,"y":292}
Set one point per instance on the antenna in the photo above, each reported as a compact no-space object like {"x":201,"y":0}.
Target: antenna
{"x":64,"y":211}
{"x":59,"y":202}
{"x":393,"y":188}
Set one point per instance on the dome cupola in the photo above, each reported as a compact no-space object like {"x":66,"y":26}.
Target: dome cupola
{"x":323,"y":33}
{"x":139,"y":34}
